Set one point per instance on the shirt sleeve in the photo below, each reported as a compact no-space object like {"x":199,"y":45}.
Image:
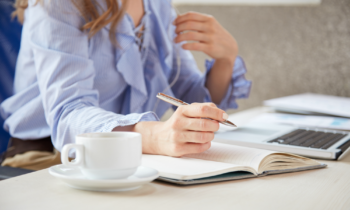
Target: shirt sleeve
{"x":239,"y":87}
{"x":65,"y":74}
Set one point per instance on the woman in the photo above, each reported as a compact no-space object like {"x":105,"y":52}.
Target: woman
{"x":85,"y":66}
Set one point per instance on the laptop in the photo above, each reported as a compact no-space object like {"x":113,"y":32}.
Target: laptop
{"x":304,"y":141}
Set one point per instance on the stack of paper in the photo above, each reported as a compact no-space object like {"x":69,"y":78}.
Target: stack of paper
{"x":309,"y":103}
{"x":321,"y":111}
{"x":337,"y":123}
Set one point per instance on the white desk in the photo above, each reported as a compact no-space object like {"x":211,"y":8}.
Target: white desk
{"x":327,"y":188}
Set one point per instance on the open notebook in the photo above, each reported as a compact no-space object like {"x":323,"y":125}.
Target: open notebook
{"x":226,"y":162}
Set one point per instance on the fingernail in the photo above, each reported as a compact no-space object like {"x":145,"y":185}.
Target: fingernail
{"x":225,"y":116}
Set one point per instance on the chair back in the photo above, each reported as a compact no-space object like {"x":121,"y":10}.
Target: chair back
{"x":10,"y":37}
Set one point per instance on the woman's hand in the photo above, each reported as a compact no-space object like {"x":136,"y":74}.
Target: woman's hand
{"x":209,"y":36}
{"x":184,"y":133}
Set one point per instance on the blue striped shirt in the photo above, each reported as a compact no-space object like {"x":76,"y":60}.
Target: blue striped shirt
{"x":67,"y":83}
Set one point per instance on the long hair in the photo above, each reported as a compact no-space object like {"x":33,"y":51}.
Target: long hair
{"x":94,"y":21}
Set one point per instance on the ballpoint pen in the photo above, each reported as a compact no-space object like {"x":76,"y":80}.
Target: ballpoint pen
{"x":178,"y":102}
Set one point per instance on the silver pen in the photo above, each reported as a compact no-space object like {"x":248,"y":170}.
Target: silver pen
{"x":178,"y":102}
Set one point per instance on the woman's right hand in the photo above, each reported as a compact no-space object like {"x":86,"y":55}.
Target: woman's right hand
{"x":186,"y":132}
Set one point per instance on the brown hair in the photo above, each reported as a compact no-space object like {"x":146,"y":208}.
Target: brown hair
{"x":88,"y":10}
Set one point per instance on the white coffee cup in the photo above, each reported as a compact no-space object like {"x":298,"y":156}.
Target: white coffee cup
{"x":113,"y":155}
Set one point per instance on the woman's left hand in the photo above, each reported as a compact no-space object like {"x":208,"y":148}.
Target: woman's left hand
{"x":208,"y":36}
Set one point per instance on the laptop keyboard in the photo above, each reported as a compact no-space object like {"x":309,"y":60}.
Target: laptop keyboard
{"x":309,"y":138}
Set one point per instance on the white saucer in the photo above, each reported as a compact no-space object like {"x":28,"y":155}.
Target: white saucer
{"x":75,"y":179}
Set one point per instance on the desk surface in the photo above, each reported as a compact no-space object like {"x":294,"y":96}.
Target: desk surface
{"x":327,"y":188}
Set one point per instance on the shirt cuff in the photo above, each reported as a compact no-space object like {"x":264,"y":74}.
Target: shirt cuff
{"x":239,"y":87}
{"x":130,"y":119}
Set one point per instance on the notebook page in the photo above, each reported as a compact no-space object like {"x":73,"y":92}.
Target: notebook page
{"x":233,"y":154}
{"x":188,"y":168}
{"x":285,"y":161}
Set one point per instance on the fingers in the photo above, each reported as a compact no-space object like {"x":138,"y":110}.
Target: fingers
{"x":196,"y":46}
{"x":209,"y":104}
{"x":203,"y":110}
{"x":197,"y":137}
{"x":198,"y":124}
{"x":186,"y":131}
{"x":192,"y":36}
{"x":192,"y":16}
{"x":198,"y":28}
{"x":191,"y":26}
{"x":207,"y":34}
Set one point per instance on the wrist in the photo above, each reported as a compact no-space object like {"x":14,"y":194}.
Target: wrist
{"x":230,"y":54}
{"x":227,"y":61}
{"x":224,"y":66}
{"x":149,"y":138}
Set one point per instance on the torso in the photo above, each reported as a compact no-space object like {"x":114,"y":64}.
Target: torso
{"x":126,"y":78}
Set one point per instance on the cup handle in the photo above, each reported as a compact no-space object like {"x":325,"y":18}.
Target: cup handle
{"x":79,"y":153}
